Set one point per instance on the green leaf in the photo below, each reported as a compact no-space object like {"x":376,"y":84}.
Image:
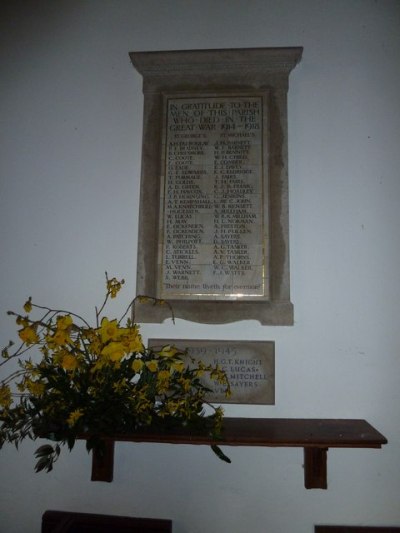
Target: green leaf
{"x":219,"y":453}
{"x":44,"y":462}
{"x":44,"y":450}
{"x":71,"y":442}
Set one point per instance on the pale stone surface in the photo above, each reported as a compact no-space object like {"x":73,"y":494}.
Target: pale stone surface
{"x":249,"y":365}
{"x":207,"y":286}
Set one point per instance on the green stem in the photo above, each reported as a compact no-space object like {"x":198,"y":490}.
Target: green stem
{"x":14,"y":375}
{"x":99,"y":311}
{"x":156,"y":301}
{"x":59,"y":312}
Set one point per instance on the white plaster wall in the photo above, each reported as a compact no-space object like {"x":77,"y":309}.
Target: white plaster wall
{"x":71,"y":117}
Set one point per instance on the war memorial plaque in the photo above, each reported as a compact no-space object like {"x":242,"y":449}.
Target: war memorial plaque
{"x":249,"y":366}
{"x":213,"y":220}
{"x":214,"y":207}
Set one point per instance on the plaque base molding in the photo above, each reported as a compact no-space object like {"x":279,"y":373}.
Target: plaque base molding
{"x":315,"y":436}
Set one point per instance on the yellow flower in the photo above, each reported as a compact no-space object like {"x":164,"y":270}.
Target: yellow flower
{"x":100,"y":363}
{"x":28,"y":305}
{"x":60,"y":338}
{"x":109,"y":330}
{"x":152,"y":365}
{"x":163,"y":375}
{"x":95,"y":345}
{"x":5,"y":396}
{"x":44,"y":350}
{"x":178,"y":366}
{"x":163,"y":381}
{"x":114,"y":351}
{"x":186,"y":384}
{"x":114,"y":286}
{"x":35,"y":387}
{"x":218,"y":375}
{"x":64,"y":322}
{"x":28,"y":335}
{"x":137,"y":365}
{"x":168,"y":351}
{"x":58,"y":356}
{"x":28,"y":365}
{"x":172,"y":406}
{"x":74,"y":417}
{"x":21,"y":321}
{"x":132,"y":340}
{"x":201,"y":369}
{"x":69,"y":362}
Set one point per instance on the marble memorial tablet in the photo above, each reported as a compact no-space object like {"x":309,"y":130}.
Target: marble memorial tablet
{"x":213,"y":218}
{"x":250,"y":367}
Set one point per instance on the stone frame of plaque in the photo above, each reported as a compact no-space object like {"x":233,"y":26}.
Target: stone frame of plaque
{"x":213,"y":219}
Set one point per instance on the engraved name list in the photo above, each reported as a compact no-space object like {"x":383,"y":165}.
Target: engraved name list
{"x":213,"y":239}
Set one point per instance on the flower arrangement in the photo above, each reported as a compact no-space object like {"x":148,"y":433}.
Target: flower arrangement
{"x":97,"y":381}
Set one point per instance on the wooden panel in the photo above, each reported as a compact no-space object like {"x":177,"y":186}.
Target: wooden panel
{"x":273,"y":432}
{"x":314,"y":435}
{"x":355,"y":529}
{"x":66,"y":522}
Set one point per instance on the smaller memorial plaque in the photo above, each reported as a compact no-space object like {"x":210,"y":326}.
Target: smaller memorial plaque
{"x":249,"y":365}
